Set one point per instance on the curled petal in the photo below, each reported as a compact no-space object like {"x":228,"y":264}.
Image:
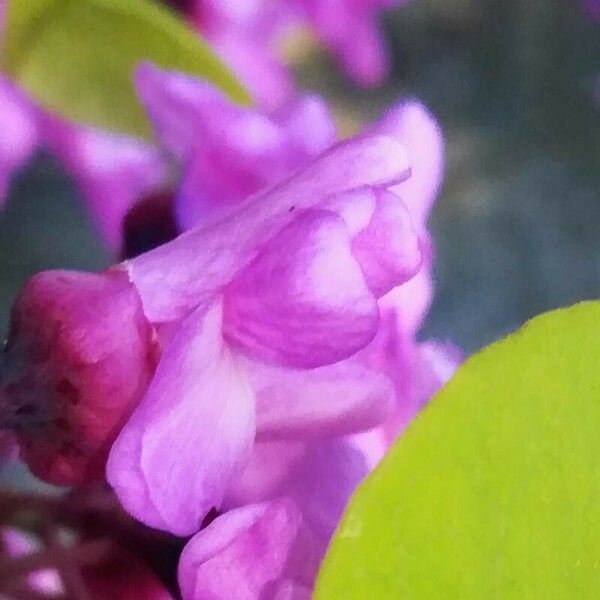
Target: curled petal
{"x":388,"y":248}
{"x":325,"y":402}
{"x":242,"y":554}
{"x":190,"y":435}
{"x":303,"y":302}
{"x":199,"y":263}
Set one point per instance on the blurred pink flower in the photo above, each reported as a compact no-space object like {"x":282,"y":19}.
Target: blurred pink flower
{"x":286,"y":318}
{"x":248,"y":34}
{"x":351,"y":30}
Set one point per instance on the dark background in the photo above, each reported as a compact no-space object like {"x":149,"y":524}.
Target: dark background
{"x":516,"y":86}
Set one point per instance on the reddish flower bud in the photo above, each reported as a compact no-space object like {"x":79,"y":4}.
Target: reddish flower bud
{"x":79,"y":355}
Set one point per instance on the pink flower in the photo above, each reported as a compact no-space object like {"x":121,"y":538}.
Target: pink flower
{"x":279,"y":281}
{"x":245,"y":34}
{"x":286,"y":315}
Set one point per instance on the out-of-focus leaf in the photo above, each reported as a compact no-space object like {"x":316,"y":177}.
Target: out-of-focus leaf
{"x":77,"y":56}
{"x":494,"y":491}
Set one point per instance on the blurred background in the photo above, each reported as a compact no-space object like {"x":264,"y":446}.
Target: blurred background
{"x":516,"y":87}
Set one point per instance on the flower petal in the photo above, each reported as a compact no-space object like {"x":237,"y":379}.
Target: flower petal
{"x":303,"y":302}
{"x":242,"y":554}
{"x":322,"y":483}
{"x":325,"y":402}
{"x":199,"y":263}
{"x":388,"y":249}
{"x":248,"y":151}
{"x":189,"y":436}
{"x":179,"y":106}
{"x":415,"y":127}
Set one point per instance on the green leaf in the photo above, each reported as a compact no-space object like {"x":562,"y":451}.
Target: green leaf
{"x":77,"y":57}
{"x":494,"y":491}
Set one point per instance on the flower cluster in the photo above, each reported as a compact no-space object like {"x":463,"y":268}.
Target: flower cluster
{"x":254,"y":354}
{"x":260,"y":363}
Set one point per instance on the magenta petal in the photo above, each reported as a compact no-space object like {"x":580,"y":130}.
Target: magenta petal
{"x":388,"y":248}
{"x":242,"y":554}
{"x":191,"y":434}
{"x":325,"y":402}
{"x":246,"y":150}
{"x":180,"y":106}
{"x":269,"y":80}
{"x":308,"y":123}
{"x":415,"y":127}
{"x":303,"y":302}
{"x":202,"y":261}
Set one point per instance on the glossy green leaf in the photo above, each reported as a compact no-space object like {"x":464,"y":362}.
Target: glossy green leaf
{"x":77,"y":56}
{"x":494,"y":492}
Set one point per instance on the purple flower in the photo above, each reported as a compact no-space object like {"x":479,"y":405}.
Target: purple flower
{"x":285,"y":317}
{"x":275,"y":281}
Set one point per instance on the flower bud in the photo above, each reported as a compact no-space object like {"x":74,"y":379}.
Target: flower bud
{"x":79,"y":355}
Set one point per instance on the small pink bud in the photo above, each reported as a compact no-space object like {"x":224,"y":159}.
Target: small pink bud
{"x":79,"y":355}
